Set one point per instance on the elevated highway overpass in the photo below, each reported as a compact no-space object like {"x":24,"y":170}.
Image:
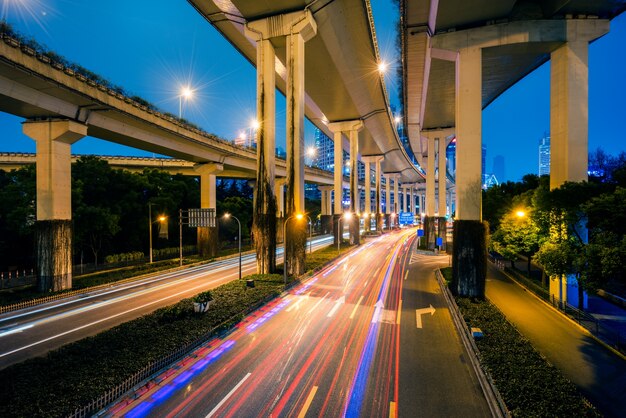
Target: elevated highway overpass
{"x":459,"y":56}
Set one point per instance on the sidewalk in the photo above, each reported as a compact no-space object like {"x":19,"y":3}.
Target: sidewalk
{"x":599,"y":373}
{"x":610,"y":318}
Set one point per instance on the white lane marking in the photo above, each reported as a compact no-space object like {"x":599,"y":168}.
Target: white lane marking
{"x":379,"y":308}
{"x":356,"y":307}
{"x":338,"y":303}
{"x":233,"y":390}
{"x":100,"y":320}
{"x":318,"y":302}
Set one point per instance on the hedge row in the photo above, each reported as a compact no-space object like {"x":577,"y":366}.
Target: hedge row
{"x":528,"y":383}
{"x":73,"y":375}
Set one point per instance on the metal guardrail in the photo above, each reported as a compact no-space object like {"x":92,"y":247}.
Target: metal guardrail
{"x":131,"y":382}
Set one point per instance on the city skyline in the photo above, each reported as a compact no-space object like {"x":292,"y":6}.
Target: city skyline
{"x":161,"y":59}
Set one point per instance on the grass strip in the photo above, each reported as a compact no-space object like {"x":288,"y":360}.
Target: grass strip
{"x":75,"y":374}
{"x":529,"y":385}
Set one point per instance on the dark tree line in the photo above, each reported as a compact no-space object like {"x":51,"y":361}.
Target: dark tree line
{"x":110,"y":210}
{"x":577,"y":229}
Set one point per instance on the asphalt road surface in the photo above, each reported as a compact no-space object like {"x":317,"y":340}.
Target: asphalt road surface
{"x":347,"y":342}
{"x":599,"y":373}
{"x":34,"y":331}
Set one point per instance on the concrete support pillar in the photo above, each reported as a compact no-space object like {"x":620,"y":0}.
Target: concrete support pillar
{"x":279,"y":195}
{"x":377,"y":197}
{"x":569,"y":117}
{"x":338,"y":174}
{"x":368,"y":188}
{"x":441,"y":160}
{"x":569,"y":98}
{"x":207,"y":238}
{"x":326,"y":211}
{"x":352,"y":128}
{"x":54,"y":200}
{"x":264,"y":217}
{"x":297,"y":27}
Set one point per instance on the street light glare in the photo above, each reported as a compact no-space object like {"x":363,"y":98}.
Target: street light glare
{"x":186,"y":92}
{"x":310,"y":151}
{"x":520,"y":213}
{"x":162,"y":218}
{"x":382,"y":67}
{"x":226,"y":215}
{"x":255,"y":124}
{"x":347,"y":215}
{"x":397,"y":119}
{"x":299,"y":216}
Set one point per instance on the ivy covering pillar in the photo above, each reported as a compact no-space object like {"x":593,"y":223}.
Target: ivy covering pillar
{"x":54,"y":200}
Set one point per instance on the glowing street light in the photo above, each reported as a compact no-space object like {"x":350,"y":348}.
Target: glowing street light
{"x":298,"y":217}
{"x":397,"y":119}
{"x":382,"y":67}
{"x":185,"y":93}
{"x":520,"y":214}
{"x":228,"y":216}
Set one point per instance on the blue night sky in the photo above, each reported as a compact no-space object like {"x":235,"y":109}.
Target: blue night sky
{"x":153,"y":48}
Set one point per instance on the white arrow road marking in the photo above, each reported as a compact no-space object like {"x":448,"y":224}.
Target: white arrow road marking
{"x":297,"y":304}
{"x":420,"y":312}
{"x":338,"y":303}
{"x":379,"y":308}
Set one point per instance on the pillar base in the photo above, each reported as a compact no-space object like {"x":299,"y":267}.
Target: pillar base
{"x":326,"y":224}
{"x":387,"y":222}
{"x":469,"y":259}
{"x":264,"y":236}
{"x":429,"y":232}
{"x":355,"y":231}
{"x":54,"y":255}
{"x":207,"y":242}
{"x":295,"y":247}
{"x":280,"y":221}
{"x":335,"y":224}
{"x":442,"y":231}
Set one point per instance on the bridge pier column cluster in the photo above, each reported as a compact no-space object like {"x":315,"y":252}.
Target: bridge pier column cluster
{"x":569,"y":116}
{"x":208,"y":236}
{"x":388,"y":201}
{"x":54,"y":200}
{"x":351,"y":128}
{"x":377,"y":196}
{"x":568,"y":120}
{"x":367,"y":210}
{"x":297,"y":28}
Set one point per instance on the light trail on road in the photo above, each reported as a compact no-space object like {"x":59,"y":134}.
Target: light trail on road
{"x":34,"y":331}
{"x":329,"y":347}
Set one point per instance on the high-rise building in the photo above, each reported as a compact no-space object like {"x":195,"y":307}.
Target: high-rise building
{"x":499,"y":169}
{"x":325,"y":151}
{"x":544,"y":155}
{"x":483,"y":161}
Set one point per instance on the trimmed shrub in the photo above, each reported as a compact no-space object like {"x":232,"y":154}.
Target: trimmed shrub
{"x":528,"y":383}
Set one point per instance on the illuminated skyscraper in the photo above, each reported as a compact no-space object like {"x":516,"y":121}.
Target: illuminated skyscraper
{"x":544,"y":155}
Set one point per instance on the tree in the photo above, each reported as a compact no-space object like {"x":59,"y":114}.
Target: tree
{"x":517,"y":234}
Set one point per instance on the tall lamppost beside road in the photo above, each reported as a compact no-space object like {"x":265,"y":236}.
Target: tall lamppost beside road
{"x":298,"y":216}
{"x":228,"y":216}
{"x":150,"y":223}
{"x":187,"y":94}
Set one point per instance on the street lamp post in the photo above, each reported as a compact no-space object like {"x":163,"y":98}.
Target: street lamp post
{"x":228,"y":216}
{"x":298,"y":216}
{"x":150,"y":223}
